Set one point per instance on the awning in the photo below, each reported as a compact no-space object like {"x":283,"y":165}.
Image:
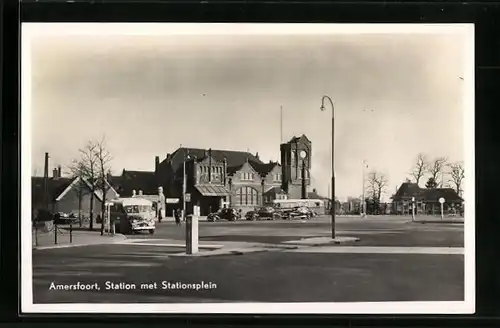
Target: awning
{"x":212,"y":190}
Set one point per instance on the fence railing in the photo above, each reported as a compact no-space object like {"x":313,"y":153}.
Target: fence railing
{"x":54,"y":229}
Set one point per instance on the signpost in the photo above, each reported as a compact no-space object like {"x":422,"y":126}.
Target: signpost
{"x":192,"y":231}
{"x":441,"y":201}
{"x":412,"y":209}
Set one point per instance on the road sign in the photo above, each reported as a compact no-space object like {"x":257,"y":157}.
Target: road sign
{"x":441,"y":200}
{"x":172,"y":200}
{"x":187,"y":197}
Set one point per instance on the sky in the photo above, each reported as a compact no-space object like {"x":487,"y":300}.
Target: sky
{"x":395,"y":96}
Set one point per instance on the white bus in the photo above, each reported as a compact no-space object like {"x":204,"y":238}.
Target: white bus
{"x":317,"y":205}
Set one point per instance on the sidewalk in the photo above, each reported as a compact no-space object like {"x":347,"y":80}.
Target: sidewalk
{"x":433,"y":219}
{"x":79,"y":238}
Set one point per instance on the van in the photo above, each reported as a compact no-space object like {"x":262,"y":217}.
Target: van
{"x":132,"y":215}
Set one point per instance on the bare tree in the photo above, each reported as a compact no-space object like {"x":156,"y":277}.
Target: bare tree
{"x":377,"y":183}
{"x":420,"y":168}
{"x":103,"y":160}
{"x":436,"y":168}
{"x":457,"y":176}
{"x":86,"y":168}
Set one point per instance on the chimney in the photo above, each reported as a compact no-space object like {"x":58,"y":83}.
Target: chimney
{"x":54,"y":173}
{"x":257,"y":155}
{"x":157,"y":163}
{"x":59,"y":171}
{"x":45,"y":182}
{"x":314,"y":190}
{"x":168,"y":157}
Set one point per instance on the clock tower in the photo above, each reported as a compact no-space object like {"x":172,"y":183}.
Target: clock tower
{"x":295,"y":162}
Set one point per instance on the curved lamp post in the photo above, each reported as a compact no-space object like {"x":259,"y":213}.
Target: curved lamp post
{"x":334,"y":205}
{"x":184,"y":186}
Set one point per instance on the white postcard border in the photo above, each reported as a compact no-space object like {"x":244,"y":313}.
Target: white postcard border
{"x":30,"y":30}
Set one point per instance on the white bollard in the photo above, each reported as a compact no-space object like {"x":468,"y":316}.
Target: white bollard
{"x":191,"y":234}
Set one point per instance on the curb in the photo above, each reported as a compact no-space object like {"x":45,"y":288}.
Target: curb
{"x":436,"y":222}
{"x":103,"y":242}
{"x":174,"y":245}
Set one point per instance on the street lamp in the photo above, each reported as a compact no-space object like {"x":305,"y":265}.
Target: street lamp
{"x":412,"y":209}
{"x":333,"y":159}
{"x":184,"y":187}
{"x":363,"y":204}
{"x":303,"y":155}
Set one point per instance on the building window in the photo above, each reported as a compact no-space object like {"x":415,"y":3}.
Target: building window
{"x":246,"y":196}
{"x":247,"y":176}
{"x":277,"y":177}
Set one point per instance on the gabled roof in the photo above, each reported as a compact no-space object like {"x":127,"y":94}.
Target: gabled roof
{"x":274,"y":191}
{"x":55,"y":186}
{"x":233,"y":169}
{"x":76,"y":181}
{"x":296,"y":139}
{"x":136,"y":180}
{"x":449,"y":194}
{"x":408,"y":189}
{"x":264,"y":168}
{"x":234,"y":158}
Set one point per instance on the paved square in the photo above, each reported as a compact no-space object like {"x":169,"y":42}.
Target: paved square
{"x":394,"y":261}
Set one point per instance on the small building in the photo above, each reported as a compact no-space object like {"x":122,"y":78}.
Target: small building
{"x":426,"y":200}
{"x":67,"y":195}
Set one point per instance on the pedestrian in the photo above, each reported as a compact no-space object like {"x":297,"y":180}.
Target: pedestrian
{"x":177,"y":216}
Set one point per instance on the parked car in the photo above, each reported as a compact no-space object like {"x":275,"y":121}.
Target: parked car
{"x":266,"y":213}
{"x":229,"y":214}
{"x":63,"y":218}
{"x":298,"y":213}
{"x":251,"y":215}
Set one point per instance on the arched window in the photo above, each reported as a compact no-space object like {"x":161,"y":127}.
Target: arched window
{"x":246,"y":196}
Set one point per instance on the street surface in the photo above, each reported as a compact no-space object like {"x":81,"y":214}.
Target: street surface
{"x":394,"y":261}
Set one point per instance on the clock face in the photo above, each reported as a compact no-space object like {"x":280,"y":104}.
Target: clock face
{"x":303,"y":154}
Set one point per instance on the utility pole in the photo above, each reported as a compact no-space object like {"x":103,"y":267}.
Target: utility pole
{"x":46,"y":182}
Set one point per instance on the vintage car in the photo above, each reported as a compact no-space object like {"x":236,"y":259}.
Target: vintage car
{"x":266,"y":213}
{"x":251,"y":216}
{"x":132,"y":215}
{"x":64,"y":218}
{"x":297,"y":213}
{"x":229,"y":214}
